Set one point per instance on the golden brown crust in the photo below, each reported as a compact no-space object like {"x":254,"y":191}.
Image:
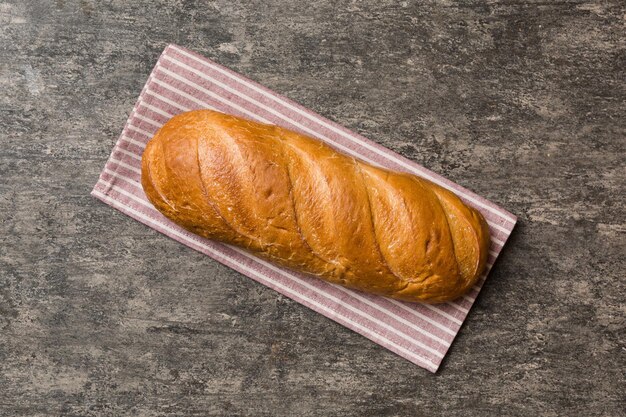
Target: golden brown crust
{"x":296,"y":201}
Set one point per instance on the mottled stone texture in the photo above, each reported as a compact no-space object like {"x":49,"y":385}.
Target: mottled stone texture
{"x":521,"y":101}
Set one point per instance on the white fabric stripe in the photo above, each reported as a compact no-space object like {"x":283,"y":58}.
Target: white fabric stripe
{"x":152,"y":93}
{"x":321,"y":122}
{"x":402,"y":320}
{"x":155,"y":109}
{"x":122,"y":191}
{"x":328,"y":295}
{"x":285,"y":288}
{"x":500,"y":228}
{"x":259,"y":118}
{"x":428,"y":363}
{"x":129,"y":154}
{"x":468,"y":298}
{"x":458,"y":307}
{"x":121,"y":163}
{"x":134,"y":142}
{"x":145,"y":119}
{"x":183,"y":94}
{"x":119,"y":176}
{"x":132,"y":122}
{"x":138,"y":130}
{"x":432,"y":308}
{"x":125,"y":165}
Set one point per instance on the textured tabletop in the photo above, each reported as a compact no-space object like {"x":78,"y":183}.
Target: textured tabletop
{"x":521,"y":102}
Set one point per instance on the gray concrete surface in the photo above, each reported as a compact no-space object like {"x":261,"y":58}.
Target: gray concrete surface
{"x":521,"y":101}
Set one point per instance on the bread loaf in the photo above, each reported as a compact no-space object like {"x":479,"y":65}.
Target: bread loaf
{"x":299,"y":203}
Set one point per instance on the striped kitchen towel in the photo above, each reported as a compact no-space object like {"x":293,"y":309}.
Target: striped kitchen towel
{"x":182,"y":81}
